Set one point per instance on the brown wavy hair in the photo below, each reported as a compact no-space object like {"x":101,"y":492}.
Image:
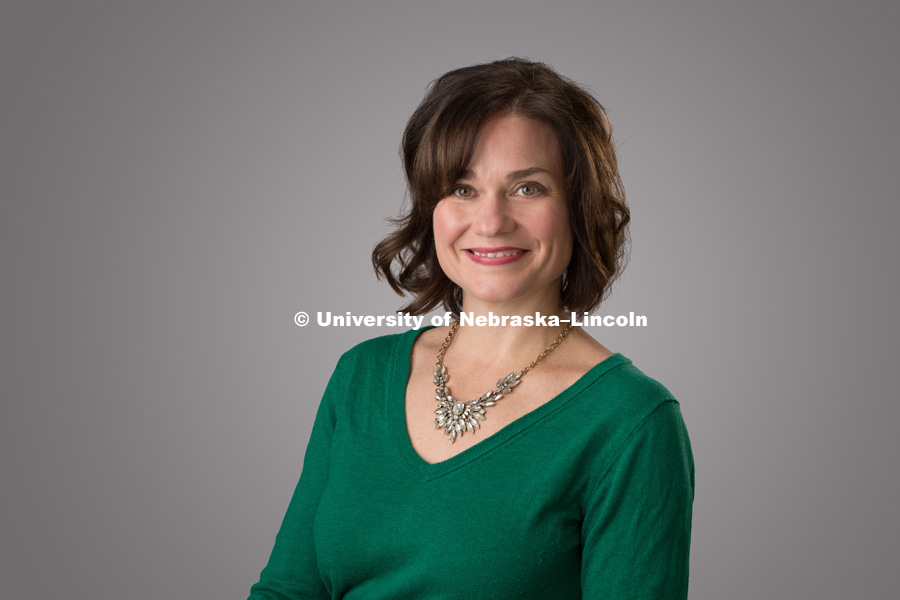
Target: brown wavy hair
{"x":438,"y":144}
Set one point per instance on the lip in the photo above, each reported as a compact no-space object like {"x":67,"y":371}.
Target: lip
{"x":511,"y":254}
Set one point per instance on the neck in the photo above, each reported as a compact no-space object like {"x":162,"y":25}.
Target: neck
{"x":547,"y":302}
{"x":509,"y":345}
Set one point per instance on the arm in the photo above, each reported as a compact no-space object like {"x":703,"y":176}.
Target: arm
{"x":637,"y":526}
{"x":292,"y":571}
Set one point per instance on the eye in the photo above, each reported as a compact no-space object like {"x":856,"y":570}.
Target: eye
{"x":463,"y":191}
{"x":529,"y":189}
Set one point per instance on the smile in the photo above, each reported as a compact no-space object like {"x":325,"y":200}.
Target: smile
{"x":498,"y":254}
{"x":495,"y":256}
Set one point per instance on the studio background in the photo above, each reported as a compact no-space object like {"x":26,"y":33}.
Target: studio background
{"x":179,"y":178}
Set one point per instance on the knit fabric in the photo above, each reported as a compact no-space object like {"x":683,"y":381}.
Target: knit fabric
{"x":587,"y":496}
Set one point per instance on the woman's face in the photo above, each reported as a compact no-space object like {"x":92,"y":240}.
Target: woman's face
{"x":503,"y":234}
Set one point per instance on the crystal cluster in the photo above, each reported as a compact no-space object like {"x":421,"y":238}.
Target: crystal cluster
{"x":456,"y":417}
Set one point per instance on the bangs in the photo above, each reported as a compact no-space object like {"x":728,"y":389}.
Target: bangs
{"x":446,"y":149}
{"x":450,"y":127}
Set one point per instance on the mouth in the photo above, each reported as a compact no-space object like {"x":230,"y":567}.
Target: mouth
{"x":495,"y":252}
{"x":496,"y":256}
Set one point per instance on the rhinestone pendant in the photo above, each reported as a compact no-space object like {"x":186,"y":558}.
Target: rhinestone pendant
{"x":456,"y":417}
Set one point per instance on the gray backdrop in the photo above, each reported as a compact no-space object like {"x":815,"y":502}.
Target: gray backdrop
{"x":179,"y":178}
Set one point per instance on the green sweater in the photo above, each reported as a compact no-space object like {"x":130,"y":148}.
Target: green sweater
{"x":587,"y":496}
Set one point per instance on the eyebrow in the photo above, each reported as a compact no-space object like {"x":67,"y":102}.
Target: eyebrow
{"x":469,"y":174}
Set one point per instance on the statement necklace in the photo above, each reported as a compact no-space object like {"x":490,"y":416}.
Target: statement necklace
{"x":456,"y":417}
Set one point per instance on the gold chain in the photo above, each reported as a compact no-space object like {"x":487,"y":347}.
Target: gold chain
{"x":550,"y":348}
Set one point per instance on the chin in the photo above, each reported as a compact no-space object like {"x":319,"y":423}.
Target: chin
{"x":496,"y":294}
{"x":489,"y":294}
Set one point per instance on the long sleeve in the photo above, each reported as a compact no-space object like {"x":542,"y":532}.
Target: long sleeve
{"x":292,"y":571}
{"x":637,"y":522}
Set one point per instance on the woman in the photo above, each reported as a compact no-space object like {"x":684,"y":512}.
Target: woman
{"x":570,"y":478}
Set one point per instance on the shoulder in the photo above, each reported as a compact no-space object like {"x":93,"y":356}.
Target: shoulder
{"x":379,"y":358}
{"x":378,"y":348}
{"x":620,"y":400}
{"x":627,"y":389}
{"x":638,"y":424}
{"x":633,"y":389}
{"x":369,"y":367}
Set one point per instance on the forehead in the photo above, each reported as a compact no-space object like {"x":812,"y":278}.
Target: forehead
{"x":514,"y":142}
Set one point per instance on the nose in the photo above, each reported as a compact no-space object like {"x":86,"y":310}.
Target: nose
{"x":493,"y":216}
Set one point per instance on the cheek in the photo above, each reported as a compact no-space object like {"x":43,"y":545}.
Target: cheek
{"x":556,"y":226}
{"x":446,"y":226}
{"x":446,"y":230}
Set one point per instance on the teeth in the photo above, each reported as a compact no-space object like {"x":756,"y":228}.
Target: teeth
{"x":497,"y":254}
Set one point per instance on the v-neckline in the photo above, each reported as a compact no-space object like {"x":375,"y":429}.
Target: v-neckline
{"x":398,"y":381}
